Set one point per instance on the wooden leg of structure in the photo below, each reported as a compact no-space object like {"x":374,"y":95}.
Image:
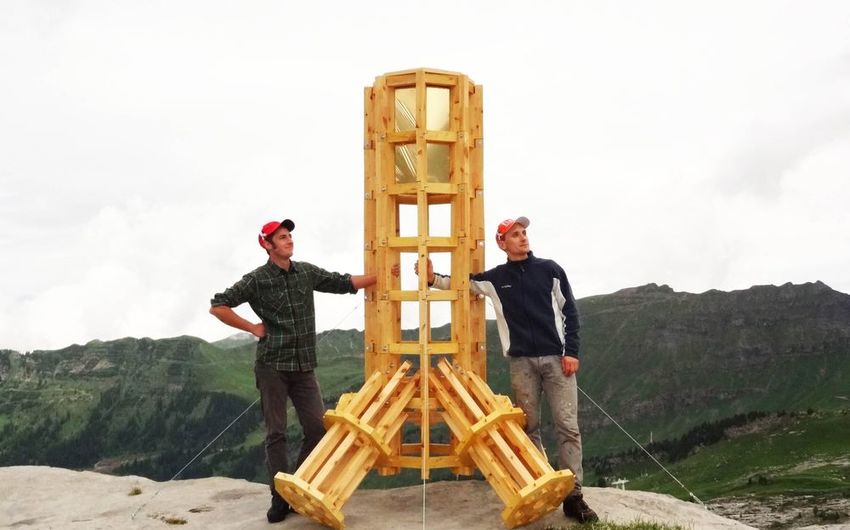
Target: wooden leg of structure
{"x":489,"y":433}
{"x":359,"y":433}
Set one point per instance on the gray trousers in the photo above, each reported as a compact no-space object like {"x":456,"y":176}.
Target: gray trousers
{"x":275,"y":388}
{"x":530,"y":378}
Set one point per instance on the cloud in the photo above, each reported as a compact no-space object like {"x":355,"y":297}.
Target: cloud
{"x":783,"y":129}
{"x":147,"y":144}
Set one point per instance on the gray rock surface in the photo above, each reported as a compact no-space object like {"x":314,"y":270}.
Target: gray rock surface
{"x":46,"y":497}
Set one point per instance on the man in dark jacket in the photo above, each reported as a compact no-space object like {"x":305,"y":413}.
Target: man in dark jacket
{"x":538,"y":326}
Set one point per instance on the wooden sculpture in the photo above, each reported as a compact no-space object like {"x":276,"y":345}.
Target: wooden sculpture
{"x":423,"y":146}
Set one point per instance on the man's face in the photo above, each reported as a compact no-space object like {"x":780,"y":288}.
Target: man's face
{"x":515,"y":242}
{"x":281,"y":244}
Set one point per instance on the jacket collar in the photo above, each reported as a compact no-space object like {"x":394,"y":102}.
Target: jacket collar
{"x":525,"y":261}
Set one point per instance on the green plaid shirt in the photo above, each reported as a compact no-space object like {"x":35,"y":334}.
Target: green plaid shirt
{"x":284,"y":302}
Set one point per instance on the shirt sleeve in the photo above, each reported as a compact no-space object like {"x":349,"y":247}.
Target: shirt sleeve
{"x":237,"y":294}
{"x":569,"y":310}
{"x":331,"y":282}
{"x":441,"y":282}
{"x":475,"y":281}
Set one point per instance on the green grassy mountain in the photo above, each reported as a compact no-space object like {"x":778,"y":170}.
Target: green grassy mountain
{"x":803,"y":453}
{"x":660,"y":362}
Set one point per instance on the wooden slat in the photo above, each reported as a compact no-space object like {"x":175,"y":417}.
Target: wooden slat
{"x":494,"y":420}
{"x":434,"y":462}
{"x":318,"y":456}
{"x":352,"y":474}
{"x":386,"y":224}
{"x":401,"y":137}
{"x":364,"y":396}
{"x":330,"y":469}
{"x":403,"y":80}
{"x":475,"y":150}
{"x":412,"y":244}
{"x":455,"y":416}
{"x":412,"y":348}
{"x":535,"y":461}
{"x":362,"y":428}
{"x":416,"y":404}
{"x":407,"y":390}
{"x":422,"y":251}
{"x":409,"y":190}
{"x":444,"y":188}
{"x":483,"y":394}
{"x":497,"y":478}
{"x":509,"y":460}
{"x":399,"y":188}
{"x":457,"y":386}
{"x":370,"y":261}
{"x":442,"y":79}
{"x":386,"y":392}
{"x":441,"y":137}
{"x":413,"y":296}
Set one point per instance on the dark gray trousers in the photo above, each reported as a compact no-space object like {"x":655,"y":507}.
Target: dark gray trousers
{"x":276,"y":386}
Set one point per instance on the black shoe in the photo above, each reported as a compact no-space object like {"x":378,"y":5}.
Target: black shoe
{"x":279,"y":510}
{"x":575,"y":507}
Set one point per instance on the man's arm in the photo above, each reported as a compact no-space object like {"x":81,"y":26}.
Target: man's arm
{"x":229,"y":317}
{"x":440,"y":281}
{"x":569,"y":312}
{"x":364,"y":280}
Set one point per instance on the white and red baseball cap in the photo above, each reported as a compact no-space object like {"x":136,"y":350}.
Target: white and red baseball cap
{"x":270,"y":227}
{"x":507,"y":224}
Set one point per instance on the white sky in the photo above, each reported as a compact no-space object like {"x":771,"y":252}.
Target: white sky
{"x":705,"y":145}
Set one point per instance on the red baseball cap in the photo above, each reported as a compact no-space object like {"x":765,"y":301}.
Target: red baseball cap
{"x":270,"y":228}
{"x":507,"y":224}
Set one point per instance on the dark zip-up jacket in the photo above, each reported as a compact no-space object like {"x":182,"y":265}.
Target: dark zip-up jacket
{"x":536,"y":312}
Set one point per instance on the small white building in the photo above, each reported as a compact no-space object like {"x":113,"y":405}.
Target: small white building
{"x":619,"y":483}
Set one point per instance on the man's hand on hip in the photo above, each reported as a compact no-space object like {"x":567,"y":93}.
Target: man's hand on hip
{"x":258,"y":330}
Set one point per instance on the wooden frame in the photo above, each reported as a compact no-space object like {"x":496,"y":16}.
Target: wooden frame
{"x":411,"y":382}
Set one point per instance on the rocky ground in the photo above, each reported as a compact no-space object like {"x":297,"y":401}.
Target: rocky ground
{"x":783,"y":512}
{"x":45,"y":497}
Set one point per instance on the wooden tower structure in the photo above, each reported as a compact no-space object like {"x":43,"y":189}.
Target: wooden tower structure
{"x":425,"y":403}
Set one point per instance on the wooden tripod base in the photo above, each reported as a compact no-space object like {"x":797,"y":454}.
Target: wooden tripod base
{"x":308,"y":501}
{"x":487,"y":431}
{"x":359,"y":434}
{"x":539,"y":498}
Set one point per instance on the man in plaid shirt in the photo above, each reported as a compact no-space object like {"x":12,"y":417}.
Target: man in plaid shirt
{"x":281,"y":294}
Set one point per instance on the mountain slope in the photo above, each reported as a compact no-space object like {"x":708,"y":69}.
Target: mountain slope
{"x":659,"y":361}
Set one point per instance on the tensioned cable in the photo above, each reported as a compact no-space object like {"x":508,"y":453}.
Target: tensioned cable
{"x":249,"y":407}
{"x":679,"y":482}
{"x":195,"y":457}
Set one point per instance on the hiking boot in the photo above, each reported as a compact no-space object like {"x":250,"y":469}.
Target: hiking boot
{"x":575,"y":507}
{"x":279,"y":510}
